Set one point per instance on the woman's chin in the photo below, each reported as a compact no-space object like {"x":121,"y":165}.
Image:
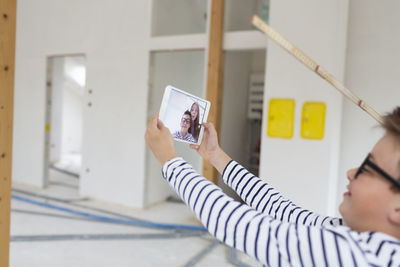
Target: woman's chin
{"x":342,"y":208}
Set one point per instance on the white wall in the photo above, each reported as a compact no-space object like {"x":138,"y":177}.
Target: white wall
{"x":304,"y":170}
{"x":113,"y":35}
{"x":373,"y":73}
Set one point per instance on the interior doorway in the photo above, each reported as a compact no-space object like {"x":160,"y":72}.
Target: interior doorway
{"x":184,"y":70}
{"x":242,"y":109}
{"x":65,"y":83}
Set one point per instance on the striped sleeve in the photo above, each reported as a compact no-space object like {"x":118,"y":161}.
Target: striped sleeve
{"x":270,"y":241}
{"x":259,"y":195}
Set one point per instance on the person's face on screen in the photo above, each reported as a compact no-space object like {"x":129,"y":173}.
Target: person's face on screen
{"x":185,"y":123}
{"x":194,"y":110}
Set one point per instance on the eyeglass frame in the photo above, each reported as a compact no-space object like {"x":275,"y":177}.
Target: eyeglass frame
{"x":186,"y":121}
{"x":368,"y":162}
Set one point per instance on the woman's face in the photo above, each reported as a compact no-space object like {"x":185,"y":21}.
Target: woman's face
{"x":194,"y":110}
{"x":370,"y":198}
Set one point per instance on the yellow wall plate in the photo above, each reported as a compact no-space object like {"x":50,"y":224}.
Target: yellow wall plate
{"x":313,"y":120}
{"x":281,"y":118}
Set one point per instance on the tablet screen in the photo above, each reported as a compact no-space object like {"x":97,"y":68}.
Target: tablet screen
{"x":183,"y":114}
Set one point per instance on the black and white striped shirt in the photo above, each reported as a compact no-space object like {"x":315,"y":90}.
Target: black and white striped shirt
{"x":188,"y":137}
{"x":270,"y":227}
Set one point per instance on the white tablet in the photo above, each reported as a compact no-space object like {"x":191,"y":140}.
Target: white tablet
{"x":183,"y":114}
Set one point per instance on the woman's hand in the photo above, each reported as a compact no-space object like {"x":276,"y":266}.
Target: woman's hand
{"x":160,"y":141}
{"x":210,"y":150}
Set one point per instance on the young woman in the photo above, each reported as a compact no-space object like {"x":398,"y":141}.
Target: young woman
{"x":194,"y":129}
{"x":275,"y":231}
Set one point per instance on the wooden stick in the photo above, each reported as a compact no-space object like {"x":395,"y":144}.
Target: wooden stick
{"x":7,"y":52}
{"x":215,"y":76}
{"x":308,"y":62}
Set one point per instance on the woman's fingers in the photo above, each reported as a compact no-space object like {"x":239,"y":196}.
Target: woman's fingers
{"x":154,"y":119}
{"x":195,"y":147}
{"x":153,"y":123}
{"x":208,"y":126}
{"x":160,"y":125}
{"x":159,"y":140}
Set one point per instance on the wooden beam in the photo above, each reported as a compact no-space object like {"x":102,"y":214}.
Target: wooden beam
{"x":7,"y":59}
{"x":215,"y":75}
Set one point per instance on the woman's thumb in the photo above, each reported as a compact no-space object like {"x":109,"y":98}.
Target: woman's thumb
{"x":160,"y":124}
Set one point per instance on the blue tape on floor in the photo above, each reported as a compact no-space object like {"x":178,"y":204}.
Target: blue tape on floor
{"x":109,"y":219}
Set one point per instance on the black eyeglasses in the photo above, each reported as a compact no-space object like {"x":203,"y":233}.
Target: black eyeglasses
{"x":186,"y":121}
{"x":375,"y":167}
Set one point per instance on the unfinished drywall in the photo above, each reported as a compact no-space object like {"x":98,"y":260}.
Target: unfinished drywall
{"x":305,"y":170}
{"x":113,"y":35}
{"x":372,"y":72}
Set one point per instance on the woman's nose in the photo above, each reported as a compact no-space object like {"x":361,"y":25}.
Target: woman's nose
{"x":351,"y":174}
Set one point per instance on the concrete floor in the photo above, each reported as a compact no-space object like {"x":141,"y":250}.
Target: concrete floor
{"x":51,"y":235}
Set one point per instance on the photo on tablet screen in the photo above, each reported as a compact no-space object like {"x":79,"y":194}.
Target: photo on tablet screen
{"x":183,"y":114}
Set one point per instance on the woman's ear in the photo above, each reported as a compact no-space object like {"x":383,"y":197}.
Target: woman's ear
{"x":394,"y":212}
